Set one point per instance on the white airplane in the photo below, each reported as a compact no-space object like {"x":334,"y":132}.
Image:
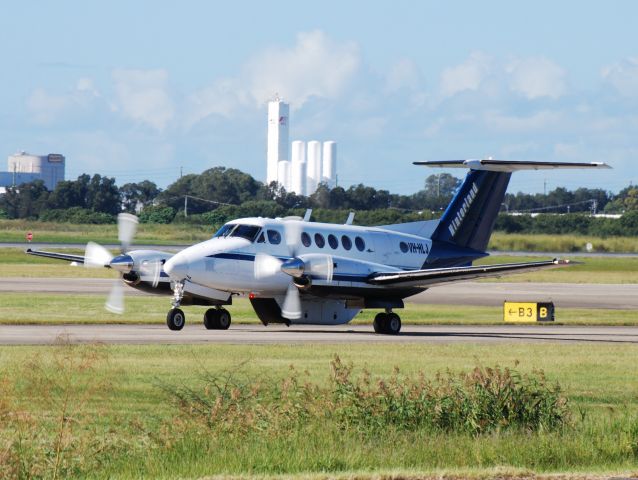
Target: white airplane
{"x":299,"y":272}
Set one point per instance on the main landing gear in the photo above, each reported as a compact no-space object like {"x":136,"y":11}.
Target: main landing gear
{"x":217,"y":319}
{"x":387,"y":322}
{"x":214,"y":318}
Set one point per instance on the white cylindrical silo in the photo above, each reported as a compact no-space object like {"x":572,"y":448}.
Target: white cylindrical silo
{"x":283,"y":174}
{"x":329,"y":169}
{"x":298,"y":168}
{"x":313,"y":166}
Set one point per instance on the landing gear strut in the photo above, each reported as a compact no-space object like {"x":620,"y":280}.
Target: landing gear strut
{"x":176,"y":317}
{"x":388,"y":323}
{"x":217,"y":319}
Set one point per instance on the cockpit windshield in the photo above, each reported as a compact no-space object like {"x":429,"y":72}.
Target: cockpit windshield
{"x":249,"y":232}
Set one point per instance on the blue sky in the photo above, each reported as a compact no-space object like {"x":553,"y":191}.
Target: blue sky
{"x":141,"y":89}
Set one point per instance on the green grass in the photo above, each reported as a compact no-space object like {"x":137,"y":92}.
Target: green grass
{"x":43,"y":308}
{"x":561,"y":243}
{"x":104,"y":412}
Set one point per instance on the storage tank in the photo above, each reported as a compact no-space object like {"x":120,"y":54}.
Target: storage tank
{"x":313,"y":166}
{"x":298,"y":168}
{"x":49,"y":168}
{"x":283,"y":174}
{"x":329,"y":172}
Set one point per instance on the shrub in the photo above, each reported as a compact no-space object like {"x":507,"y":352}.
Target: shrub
{"x":480,"y":401}
{"x":157,"y":214}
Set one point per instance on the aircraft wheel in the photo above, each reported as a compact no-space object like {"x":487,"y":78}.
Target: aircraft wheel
{"x":175,"y":319}
{"x":380,"y":323}
{"x":223,"y":319}
{"x":393,"y":324}
{"x":211,"y":319}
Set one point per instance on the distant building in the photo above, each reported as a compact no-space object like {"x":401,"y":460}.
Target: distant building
{"x":24,"y":167}
{"x":311,"y":163}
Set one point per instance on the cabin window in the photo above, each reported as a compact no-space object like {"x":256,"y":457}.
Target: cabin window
{"x":404,"y":247}
{"x":274,"y":237}
{"x":333,"y":242}
{"x":319,"y":240}
{"x":346,"y":242}
{"x":305,"y":239}
{"x":361,"y":245}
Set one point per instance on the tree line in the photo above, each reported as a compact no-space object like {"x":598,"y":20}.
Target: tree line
{"x":220,"y":194}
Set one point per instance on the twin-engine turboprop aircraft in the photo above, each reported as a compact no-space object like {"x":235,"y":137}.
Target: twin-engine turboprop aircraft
{"x":299,"y":272}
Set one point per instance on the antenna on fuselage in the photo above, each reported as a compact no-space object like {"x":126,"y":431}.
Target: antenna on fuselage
{"x":350,"y":218}
{"x":306,"y":217}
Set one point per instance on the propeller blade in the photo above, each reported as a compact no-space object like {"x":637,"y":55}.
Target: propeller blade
{"x":322,"y":266}
{"x":115,"y":302}
{"x":96,"y":256}
{"x":292,"y":233}
{"x":153,"y":269}
{"x":126,"y":228}
{"x":266,"y":265}
{"x":292,"y":304}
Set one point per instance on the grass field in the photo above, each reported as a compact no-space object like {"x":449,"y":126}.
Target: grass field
{"x":40,"y":308}
{"x":110,"y":412}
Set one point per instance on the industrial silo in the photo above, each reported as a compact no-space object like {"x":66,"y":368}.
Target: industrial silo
{"x":313,"y":166}
{"x":298,"y":168}
{"x":329,"y":169}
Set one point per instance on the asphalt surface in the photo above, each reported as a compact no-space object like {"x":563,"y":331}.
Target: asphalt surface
{"x":257,"y":334}
{"x":563,"y":295}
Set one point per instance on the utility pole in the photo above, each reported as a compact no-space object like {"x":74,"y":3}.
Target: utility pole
{"x":545,"y":186}
{"x":181,"y":171}
{"x":185,"y":206}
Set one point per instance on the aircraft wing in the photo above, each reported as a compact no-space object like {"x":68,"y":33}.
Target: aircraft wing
{"x":58,"y":256}
{"x":438,"y":276}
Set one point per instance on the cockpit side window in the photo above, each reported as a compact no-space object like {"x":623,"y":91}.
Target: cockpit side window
{"x":262,"y":238}
{"x":249,"y":232}
{"x":224,"y":231}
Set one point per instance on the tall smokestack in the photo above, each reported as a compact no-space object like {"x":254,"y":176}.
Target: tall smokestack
{"x":277,"y":138}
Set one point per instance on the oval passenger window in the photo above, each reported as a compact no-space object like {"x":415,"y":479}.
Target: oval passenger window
{"x":346,"y":242}
{"x":319,"y":240}
{"x":361,"y":245}
{"x":333,"y":242}
{"x":305,"y":239}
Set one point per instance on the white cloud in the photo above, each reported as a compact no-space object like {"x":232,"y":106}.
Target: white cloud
{"x":142,"y":96}
{"x":542,"y":120}
{"x":467,"y":76}
{"x":221,"y":98}
{"x":403,"y":74}
{"x":314,"y":66}
{"x":623,"y":76}
{"x":536,"y":77}
{"x":45,"y":107}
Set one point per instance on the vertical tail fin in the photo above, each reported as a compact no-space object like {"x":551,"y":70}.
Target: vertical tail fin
{"x":469,"y":219}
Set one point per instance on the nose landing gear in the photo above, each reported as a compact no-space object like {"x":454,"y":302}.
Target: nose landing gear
{"x":387,"y":322}
{"x":175,"y":319}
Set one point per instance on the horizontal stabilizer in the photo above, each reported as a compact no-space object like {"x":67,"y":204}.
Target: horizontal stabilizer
{"x":438,"y":276}
{"x":509,"y":165}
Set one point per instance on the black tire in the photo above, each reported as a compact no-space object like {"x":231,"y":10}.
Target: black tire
{"x":393,"y":324}
{"x":175,"y":319}
{"x":380,"y":323}
{"x":224,"y":319}
{"x":211,"y":319}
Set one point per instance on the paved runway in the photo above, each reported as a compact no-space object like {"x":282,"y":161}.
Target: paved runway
{"x":257,"y":334}
{"x":564,"y":295}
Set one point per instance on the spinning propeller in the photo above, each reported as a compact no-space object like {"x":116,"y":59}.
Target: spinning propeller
{"x":300,"y":269}
{"x":96,"y":256}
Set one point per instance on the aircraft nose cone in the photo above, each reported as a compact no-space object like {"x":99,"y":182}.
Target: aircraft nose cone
{"x":177,"y":267}
{"x":122,"y":263}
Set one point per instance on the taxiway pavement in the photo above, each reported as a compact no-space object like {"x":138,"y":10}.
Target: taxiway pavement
{"x":277,"y":334}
